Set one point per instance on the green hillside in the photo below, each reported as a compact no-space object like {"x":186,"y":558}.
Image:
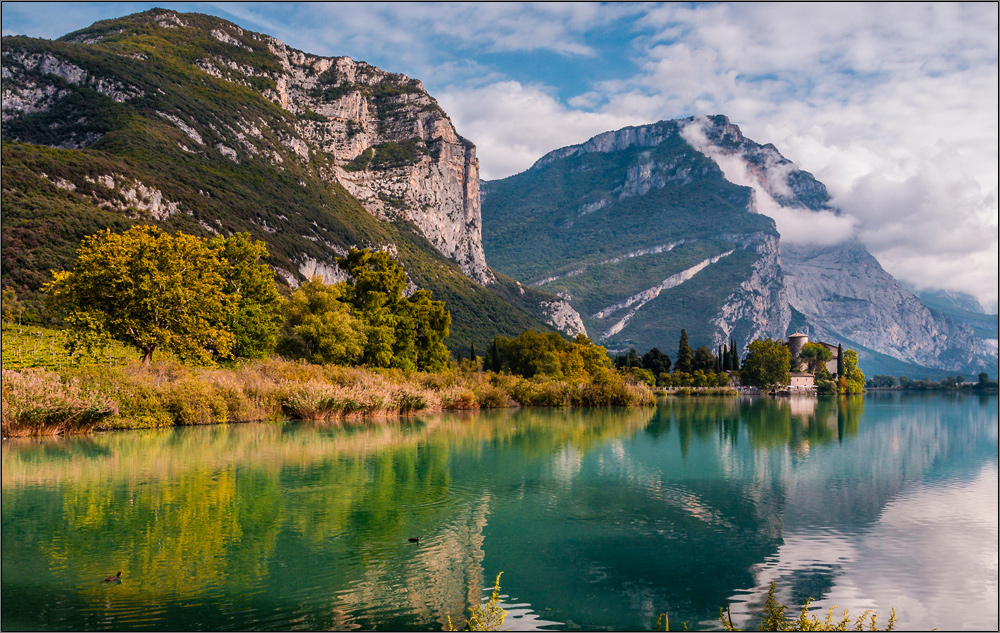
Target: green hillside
{"x":599,"y":227}
{"x":120,"y":126}
{"x":538,"y":223}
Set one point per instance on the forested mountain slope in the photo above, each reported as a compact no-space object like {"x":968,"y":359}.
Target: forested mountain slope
{"x":192,"y":123}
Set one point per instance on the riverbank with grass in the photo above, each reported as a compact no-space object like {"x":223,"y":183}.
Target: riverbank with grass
{"x":38,"y":401}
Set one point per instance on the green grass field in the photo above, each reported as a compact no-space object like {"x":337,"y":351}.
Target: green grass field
{"x":27,"y":346}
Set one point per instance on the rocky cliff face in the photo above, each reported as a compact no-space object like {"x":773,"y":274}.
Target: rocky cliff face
{"x":758,"y":306}
{"x":847,"y":296}
{"x":378,"y":134}
{"x":391,"y":145}
{"x":841,"y":289}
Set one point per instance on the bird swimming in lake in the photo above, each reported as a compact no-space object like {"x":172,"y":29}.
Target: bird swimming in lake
{"x":113,"y":578}
{"x":414,"y":539}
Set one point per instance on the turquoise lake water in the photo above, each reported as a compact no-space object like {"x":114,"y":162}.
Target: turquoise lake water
{"x":598,"y":518}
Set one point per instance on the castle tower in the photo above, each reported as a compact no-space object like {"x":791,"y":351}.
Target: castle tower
{"x":796,"y":342}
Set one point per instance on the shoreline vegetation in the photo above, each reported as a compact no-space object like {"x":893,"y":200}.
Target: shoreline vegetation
{"x":167,"y":393}
{"x":229,"y":347}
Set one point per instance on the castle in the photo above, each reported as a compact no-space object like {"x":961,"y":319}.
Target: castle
{"x":805,"y":380}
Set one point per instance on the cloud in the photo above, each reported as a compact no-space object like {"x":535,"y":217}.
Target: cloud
{"x":534,"y":123}
{"x":796,"y":226}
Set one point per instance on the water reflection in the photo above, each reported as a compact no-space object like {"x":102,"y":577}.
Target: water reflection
{"x":599,"y":518}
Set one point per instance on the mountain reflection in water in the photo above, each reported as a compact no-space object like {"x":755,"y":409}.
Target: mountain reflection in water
{"x":598,"y":518}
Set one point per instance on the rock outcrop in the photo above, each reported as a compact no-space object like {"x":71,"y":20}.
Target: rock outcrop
{"x":389,"y":143}
{"x":846,"y":295}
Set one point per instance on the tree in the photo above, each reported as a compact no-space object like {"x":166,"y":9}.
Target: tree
{"x":151,"y":290}
{"x":534,"y":353}
{"x":815,"y":356}
{"x":840,"y":360}
{"x":320,"y":326}
{"x":684,"y":354}
{"x":255,"y":316}
{"x":703,"y":360}
{"x":400,"y":331}
{"x":495,"y":360}
{"x":853,"y":379}
{"x":656,"y":361}
{"x":367,"y":320}
{"x":766,"y":365}
{"x":12,"y":308}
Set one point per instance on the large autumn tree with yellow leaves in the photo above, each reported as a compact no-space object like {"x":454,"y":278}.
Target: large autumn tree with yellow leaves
{"x":202,"y":300}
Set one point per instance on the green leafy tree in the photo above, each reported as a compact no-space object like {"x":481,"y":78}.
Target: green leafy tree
{"x":703,"y":360}
{"x":656,"y":361}
{"x":400,"y":331}
{"x":852,"y":380}
{"x":151,"y":290}
{"x":640,"y":374}
{"x":320,"y":326}
{"x":685,"y":356}
{"x":549,"y":354}
{"x":766,"y":365}
{"x":255,"y":314}
{"x":815,"y":356}
{"x":12,"y":308}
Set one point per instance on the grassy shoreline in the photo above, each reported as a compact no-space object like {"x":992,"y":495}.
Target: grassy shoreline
{"x":39,"y":401}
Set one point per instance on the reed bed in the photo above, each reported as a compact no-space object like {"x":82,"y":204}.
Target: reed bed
{"x":167,"y":393}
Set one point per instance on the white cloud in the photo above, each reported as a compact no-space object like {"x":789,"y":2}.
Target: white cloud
{"x":514,"y":125}
{"x":796,"y":226}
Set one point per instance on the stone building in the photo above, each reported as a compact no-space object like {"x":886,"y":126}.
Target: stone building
{"x":805,"y":380}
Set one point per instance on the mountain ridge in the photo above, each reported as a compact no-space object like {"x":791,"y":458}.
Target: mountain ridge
{"x":837,"y":292}
{"x":193,"y":123}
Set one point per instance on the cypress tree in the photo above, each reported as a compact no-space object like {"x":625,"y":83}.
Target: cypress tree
{"x":684,"y":354}
{"x":472,"y":352}
{"x":497,"y":363}
{"x":840,"y":360}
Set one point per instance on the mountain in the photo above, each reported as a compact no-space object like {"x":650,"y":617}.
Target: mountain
{"x":650,"y":229}
{"x":192,"y":123}
{"x":965,"y":309}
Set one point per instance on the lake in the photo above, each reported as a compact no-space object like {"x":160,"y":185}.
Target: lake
{"x":598,"y":518}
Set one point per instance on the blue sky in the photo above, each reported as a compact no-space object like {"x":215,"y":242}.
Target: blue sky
{"x":893,"y":106}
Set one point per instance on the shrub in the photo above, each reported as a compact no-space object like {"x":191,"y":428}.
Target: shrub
{"x":39,"y":402}
{"x":194,"y":401}
{"x":493,"y":397}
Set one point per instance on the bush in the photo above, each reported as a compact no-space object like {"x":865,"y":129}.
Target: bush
{"x":39,"y":402}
